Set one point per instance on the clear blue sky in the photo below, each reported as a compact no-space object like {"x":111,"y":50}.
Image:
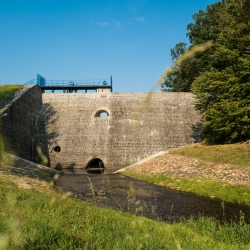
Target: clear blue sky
{"x":92,"y":39}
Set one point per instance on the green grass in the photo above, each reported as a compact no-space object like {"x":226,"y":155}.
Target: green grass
{"x":44,"y":219}
{"x":238,"y":154}
{"x":201,"y":187}
{"x":30,"y":219}
{"x":7,"y":90}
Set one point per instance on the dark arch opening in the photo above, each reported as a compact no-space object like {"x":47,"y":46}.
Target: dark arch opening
{"x":95,"y":165}
{"x":102,"y":114}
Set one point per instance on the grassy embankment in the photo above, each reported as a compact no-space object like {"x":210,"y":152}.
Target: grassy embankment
{"x":44,"y":219}
{"x":7,"y":90}
{"x":238,"y":154}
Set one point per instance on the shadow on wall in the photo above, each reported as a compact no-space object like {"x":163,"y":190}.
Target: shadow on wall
{"x":44,"y":140}
{"x":70,"y":166}
{"x":196,"y":132}
{"x":18,"y":122}
{"x":96,"y":164}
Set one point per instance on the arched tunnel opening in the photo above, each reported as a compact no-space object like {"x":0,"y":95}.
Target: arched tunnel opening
{"x":95,"y":165}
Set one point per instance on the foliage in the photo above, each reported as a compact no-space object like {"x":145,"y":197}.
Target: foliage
{"x":220,"y":76}
{"x":58,"y":222}
{"x":177,"y":80}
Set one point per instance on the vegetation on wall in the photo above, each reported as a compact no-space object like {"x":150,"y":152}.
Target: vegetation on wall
{"x":7,"y":90}
{"x":220,"y":76}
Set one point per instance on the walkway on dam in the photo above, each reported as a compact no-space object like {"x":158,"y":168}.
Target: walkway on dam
{"x":70,"y":86}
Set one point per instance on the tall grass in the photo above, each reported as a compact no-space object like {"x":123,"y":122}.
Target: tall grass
{"x":31,"y":219}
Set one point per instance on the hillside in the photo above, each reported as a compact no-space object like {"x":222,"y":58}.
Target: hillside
{"x":7,"y":90}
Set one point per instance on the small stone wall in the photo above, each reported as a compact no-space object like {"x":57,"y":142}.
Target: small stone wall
{"x":20,"y":167}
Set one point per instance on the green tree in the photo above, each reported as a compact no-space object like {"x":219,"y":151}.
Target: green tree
{"x":177,"y":80}
{"x":223,"y":89}
{"x":219,"y":77}
{"x":204,"y":29}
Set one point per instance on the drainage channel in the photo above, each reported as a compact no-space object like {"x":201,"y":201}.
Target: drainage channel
{"x":144,"y":199}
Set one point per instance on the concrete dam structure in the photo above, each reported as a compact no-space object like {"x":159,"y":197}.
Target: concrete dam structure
{"x":77,"y":130}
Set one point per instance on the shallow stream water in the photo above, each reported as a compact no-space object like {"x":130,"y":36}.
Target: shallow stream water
{"x":130,"y":195}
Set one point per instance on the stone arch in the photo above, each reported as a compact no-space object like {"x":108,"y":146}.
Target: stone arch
{"x":95,"y":164}
{"x":102,"y":110}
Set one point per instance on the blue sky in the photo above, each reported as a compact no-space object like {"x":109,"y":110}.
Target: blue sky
{"x":92,"y":39}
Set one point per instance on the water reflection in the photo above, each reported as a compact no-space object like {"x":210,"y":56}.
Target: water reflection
{"x":81,"y":171}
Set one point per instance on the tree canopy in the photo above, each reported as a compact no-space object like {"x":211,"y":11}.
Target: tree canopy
{"x":220,"y":76}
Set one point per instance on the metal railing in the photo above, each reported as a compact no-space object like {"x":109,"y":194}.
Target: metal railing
{"x":33,"y":81}
{"x":58,"y":83}
{"x":94,"y":82}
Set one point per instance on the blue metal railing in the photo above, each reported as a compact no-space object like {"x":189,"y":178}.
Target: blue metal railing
{"x":42,"y":82}
{"x":71,"y":82}
{"x":33,"y":81}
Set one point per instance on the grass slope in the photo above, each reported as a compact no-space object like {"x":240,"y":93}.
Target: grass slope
{"x":238,"y":154}
{"x":31,"y":219}
{"x":200,"y":187}
{"x":7,"y":90}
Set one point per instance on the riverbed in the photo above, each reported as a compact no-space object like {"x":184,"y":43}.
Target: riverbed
{"x":144,"y":199}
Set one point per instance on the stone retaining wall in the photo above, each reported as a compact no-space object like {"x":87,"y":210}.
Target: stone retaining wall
{"x":18,"y":120}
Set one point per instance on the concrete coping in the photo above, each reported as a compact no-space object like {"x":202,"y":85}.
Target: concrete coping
{"x":21,"y":164}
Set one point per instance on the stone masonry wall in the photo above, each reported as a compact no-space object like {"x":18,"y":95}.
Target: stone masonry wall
{"x":138,"y":125}
{"x":18,"y":119}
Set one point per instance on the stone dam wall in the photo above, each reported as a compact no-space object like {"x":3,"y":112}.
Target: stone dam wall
{"x":137,"y":125}
{"x":71,"y":132}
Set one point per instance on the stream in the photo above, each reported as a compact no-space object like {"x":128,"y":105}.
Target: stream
{"x":144,"y":199}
